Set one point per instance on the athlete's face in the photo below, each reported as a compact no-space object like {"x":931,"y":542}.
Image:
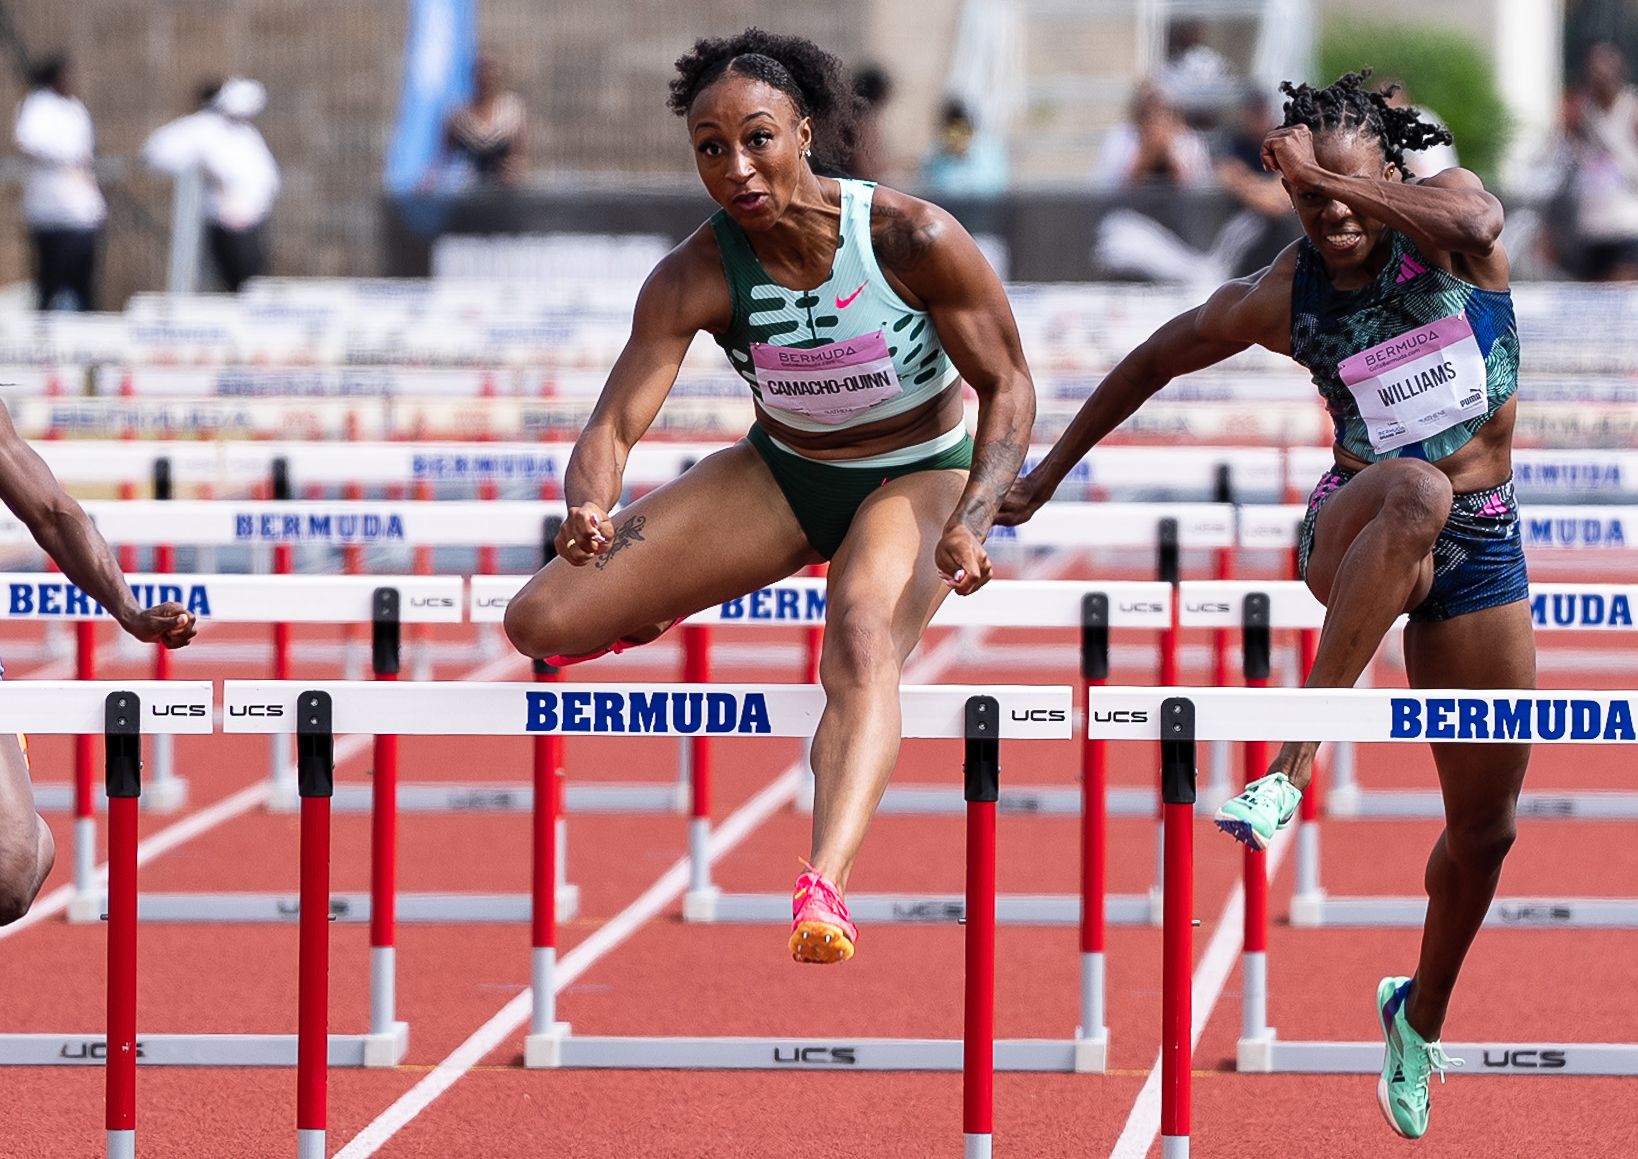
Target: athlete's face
{"x":748,"y":144}
{"x":1344,"y":237}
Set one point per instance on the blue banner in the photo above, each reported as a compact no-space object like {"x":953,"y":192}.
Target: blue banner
{"x":438,"y":58}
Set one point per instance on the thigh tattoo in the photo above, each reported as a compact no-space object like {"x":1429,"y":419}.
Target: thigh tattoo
{"x":628,"y":533}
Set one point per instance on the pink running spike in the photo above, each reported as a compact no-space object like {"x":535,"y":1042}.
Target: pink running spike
{"x":821,"y":931}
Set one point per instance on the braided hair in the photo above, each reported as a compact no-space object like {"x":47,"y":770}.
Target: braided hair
{"x":814,"y":80}
{"x":1348,"y":105}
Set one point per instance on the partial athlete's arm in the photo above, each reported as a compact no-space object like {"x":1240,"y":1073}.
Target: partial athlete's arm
{"x":937,"y":260}
{"x":1238,"y":314}
{"x":1451,"y":210}
{"x":662,"y":328}
{"x":61,"y":527}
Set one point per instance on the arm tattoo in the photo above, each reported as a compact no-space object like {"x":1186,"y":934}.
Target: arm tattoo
{"x":628,"y":533}
{"x":995,"y":466}
{"x":901,"y":243}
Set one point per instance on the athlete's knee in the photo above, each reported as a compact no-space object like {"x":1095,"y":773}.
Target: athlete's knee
{"x":858,"y":649}
{"x":1480,"y":846}
{"x":23,"y":871}
{"x":1418,"y":504}
{"x":536,"y":629}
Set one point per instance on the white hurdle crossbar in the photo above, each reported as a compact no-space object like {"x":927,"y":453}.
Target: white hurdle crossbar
{"x":250,"y":599}
{"x":1381,"y":715}
{"x":1554,"y":607}
{"x":980,"y":716}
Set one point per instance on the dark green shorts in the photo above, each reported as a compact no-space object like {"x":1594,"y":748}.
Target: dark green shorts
{"x":825,"y":496}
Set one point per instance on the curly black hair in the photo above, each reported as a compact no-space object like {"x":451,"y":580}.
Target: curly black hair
{"x":816,"y":82}
{"x":1347,"y":104}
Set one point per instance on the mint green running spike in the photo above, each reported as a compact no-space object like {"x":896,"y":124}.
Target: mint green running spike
{"x":1265,"y":807}
{"x":1403,"y":1089}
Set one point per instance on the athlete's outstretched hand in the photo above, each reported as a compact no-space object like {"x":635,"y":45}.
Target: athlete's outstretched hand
{"x":169,"y":624}
{"x":1022,"y":500}
{"x":1289,"y":151}
{"x":961,"y":560}
{"x":585,"y":534}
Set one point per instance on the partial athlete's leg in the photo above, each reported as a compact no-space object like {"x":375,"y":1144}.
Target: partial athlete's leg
{"x":1371,"y":562}
{"x":883,"y":589}
{"x":714,"y":533}
{"x":27,"y":849}
{"x":1480,"y":783}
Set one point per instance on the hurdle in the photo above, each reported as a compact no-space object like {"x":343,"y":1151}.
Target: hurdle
{"x":1383,"y":715}
{"x":1091,"y":607}
{"x":220,"y":599}
{"x":1571,"y":607}
{"x":980,"y":717}
{"x":123,"y":712}
{"x":187,"y":706}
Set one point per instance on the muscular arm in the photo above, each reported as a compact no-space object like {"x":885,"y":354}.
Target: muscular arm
{"x":61,"y":527}
{"x":938,"y":262}
{"x":671,"y":308}
{"x":1240,"y":313}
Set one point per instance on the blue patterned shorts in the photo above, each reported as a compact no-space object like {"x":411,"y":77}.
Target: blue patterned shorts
{"x":1478,"y":559}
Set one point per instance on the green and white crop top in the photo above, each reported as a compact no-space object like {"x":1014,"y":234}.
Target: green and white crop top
{"x":847,"y":352}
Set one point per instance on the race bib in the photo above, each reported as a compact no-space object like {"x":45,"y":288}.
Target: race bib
{"x":829,"y":383}
{"x":1419,"y":384}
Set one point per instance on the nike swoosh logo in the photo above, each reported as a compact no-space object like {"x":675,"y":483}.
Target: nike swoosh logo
{"x":843,"y":303}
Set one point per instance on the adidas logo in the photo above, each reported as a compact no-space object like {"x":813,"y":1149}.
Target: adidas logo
{"x":1409,"y":268}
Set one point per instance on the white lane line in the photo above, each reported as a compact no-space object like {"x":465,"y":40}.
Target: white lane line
{"x":208,"y":818}
{"x":608,"y":937}
{"x":1143,"y":1124}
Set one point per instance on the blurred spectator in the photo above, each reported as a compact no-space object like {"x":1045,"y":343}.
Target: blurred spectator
{"x":486,"y":138}
{"x":1200,"y":81}
{"x":1603,"y":124}
{"x":965,"y":162}
{"x":874,"y":88}
{"x":240,"y":176}
{"x":1267,"y":221}
{"x":1154,"y":147}
{"x":1435,"y":158}
{"x":62,"y":206}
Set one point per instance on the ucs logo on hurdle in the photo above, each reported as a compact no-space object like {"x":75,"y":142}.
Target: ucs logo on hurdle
{"x":91,"y":1051}
{"x":816,"y":1055}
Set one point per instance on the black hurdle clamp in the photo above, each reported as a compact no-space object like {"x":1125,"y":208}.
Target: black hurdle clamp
{"x":1095,"y":636}
{"x":164,"y":485}
{"x":1177,"y":758}
{"x":386,"y":631}
{"x":982,"y":767}
{"x":122,"y":741}
{"x":1255,"y":631}
{"x":280,"y":473}
{"x":315,"y":745}
{"x":1167,"y":565}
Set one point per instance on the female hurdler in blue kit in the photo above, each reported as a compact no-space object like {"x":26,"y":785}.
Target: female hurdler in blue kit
{"x":1397,"y":303}
{"x":853,"y":313}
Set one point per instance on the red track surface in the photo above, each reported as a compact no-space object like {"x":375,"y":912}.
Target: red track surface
{"x":671,"y":977}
